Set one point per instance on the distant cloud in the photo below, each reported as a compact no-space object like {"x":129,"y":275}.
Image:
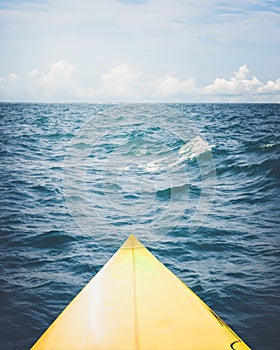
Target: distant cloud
{"x":125,"y":83}
{"x":57,"y":83}
{"x":61,"y":82}
{"x":60,"y":72}
{"x":121,"y":82}
{"x":171,"y":87}
{"x":240,"y":85}
{"x":9,"y":86}
{"x":33,"y":73}
{"x":270,"y":87}
{"x":236,"y":85}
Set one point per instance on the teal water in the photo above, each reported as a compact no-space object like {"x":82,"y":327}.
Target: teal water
{"x":197,"y":183}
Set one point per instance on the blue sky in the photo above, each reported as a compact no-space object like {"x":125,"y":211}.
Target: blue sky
{"x":143,"y":50}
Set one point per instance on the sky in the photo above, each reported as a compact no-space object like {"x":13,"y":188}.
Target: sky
{"x":140,"y":51}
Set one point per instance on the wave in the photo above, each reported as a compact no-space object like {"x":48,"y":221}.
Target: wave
{"x":194,"y":149}
{"x":51,"y":239}
{"x":189,"y":151}
{"x":170,"y":191}
{"x":267,"y":146}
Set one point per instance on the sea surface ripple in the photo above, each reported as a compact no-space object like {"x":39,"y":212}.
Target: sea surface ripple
{"x":197,"y":183}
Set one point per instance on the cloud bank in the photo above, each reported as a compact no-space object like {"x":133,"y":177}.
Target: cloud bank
{"x":61,"y":82}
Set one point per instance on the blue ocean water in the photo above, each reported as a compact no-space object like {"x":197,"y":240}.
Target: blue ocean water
{"x":197,"y":183}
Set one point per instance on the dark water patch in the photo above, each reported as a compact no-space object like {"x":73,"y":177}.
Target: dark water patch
{"x":51,"y":239}
{"x":275,"y":171}
{"x":172,"y":191}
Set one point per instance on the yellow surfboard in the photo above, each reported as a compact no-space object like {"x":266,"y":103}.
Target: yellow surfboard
{"x":135,"y":303}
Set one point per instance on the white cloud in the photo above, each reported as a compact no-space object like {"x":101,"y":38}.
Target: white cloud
{"x":125,"y":83}
{"x":9,"y":86}
{"x":33,"y":73}
{"x":270,"y":87}
{"x":171,"y":87}
{"x":58,"y":83}
{"x":60,"y":72}
{"x":62,"y":82}
{"x":121,"y":82}
{"x":13,"y":79}
{"x":238,"y":84}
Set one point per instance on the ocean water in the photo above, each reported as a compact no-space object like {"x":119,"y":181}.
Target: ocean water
{"x":198,"y":184}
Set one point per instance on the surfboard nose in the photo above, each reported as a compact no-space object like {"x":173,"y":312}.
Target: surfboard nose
{"x":132,"y":242}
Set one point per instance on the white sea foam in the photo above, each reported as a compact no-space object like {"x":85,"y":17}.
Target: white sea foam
{"x":194,"y":149}
{"x":190,"y":150}
{"x":268,"y":145}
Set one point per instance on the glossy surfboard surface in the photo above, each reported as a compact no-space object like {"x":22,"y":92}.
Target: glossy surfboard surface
{"x":135,"y":302}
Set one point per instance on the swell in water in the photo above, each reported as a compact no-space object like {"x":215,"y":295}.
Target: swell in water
{"x":76,"y":179}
